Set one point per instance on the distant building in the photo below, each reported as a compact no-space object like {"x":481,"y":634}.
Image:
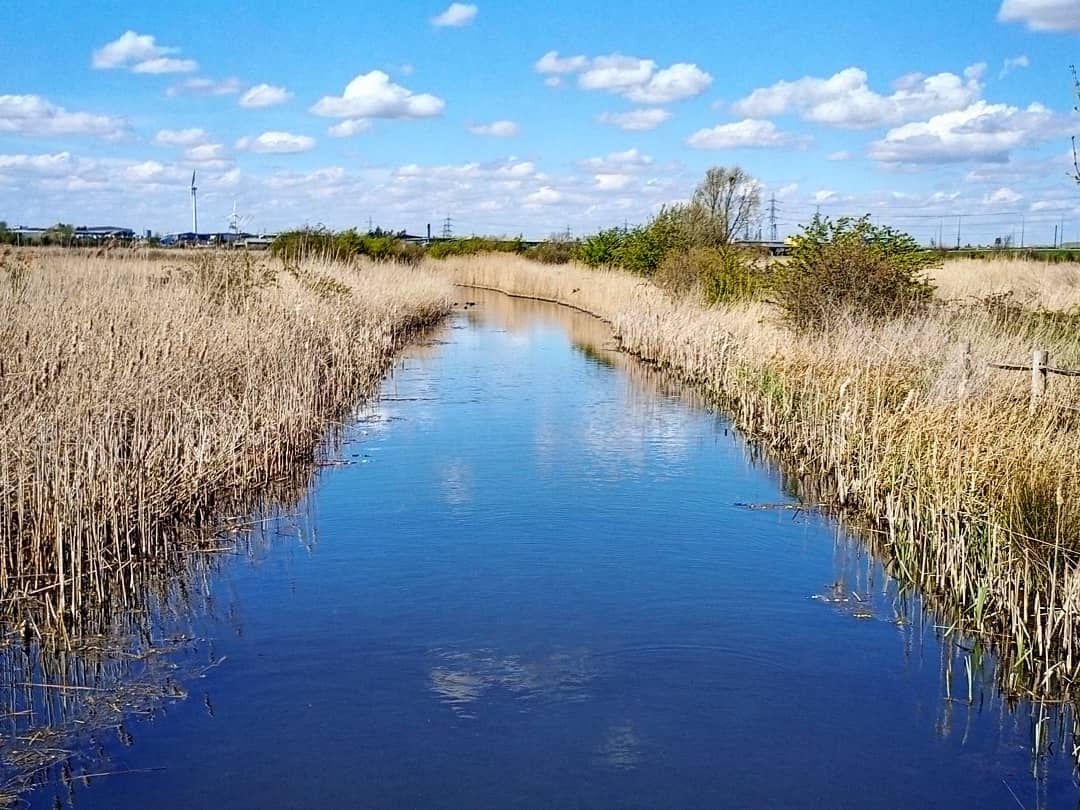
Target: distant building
{"x":105,"y":233}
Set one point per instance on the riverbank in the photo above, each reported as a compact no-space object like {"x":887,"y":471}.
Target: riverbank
{"x":138,"y":398}
{"x":970,"y":494}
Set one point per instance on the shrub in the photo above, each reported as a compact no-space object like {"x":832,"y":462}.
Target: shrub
{"x":717,"y":275}
{"x":851,"y":266}
{"x":554,"y":251}
{"x":601,"y":249}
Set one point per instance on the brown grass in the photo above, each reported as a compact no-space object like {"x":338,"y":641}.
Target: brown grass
{"x":971,"y":498}
{"x":137,"y":397}
{"x":1044,"y":285}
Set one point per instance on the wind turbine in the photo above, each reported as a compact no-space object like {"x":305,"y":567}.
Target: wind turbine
{"x":235,"y":221}
{"x":194,"y":209}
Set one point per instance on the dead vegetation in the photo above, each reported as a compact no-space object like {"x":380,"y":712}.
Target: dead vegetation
{"x":137,"y":397}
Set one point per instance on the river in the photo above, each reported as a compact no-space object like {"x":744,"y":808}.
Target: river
{"x":542,"y":574}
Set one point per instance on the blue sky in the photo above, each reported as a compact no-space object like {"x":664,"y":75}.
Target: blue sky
{"x":537,"y":117}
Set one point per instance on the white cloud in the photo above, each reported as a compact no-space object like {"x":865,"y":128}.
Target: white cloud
{"x":264,"y":95}
{"x":633,"y":78}
{"x":373,"y":95}
{"x":1003,"y":195}
{"x":545,"y":195}
{"x":274,"y":142}
{"x":980,"y":132}
{"x":636,"y":120}
{"x":617,"y":162}
{"x":747,"y":134}
{"x":47,"y":164}
{"x":1013,"y":63}
{"x":206,"y":153}
{"x":612,"y":181}
{"x":150,"y":171}
{"x":455,"y":15}
{"x":496,"y":129}
{"x":846,"y":100}
{"x":181,"y":137}
{"x":201,"y":86}
{"x":1042,"y":15}
{"x":140,"y":53}
{"x":166,"y":65}
{"x":841,"y":155}
{"x":37,"y":116}
{"x":551,"y":62}
{"x":349,"y":127}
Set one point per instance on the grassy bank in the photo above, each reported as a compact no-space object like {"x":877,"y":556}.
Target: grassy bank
{"x":970,"y":496}
{"x":137,"y":397}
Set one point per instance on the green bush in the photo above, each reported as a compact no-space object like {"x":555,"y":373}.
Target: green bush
{"x":639,"y":250}
{"x":554,"y":251}
{"x":600,"y":249}
{"x":717,"y":275}
{"x":851,"y":266}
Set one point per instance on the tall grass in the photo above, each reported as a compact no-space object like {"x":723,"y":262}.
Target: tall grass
{"x":136,"y":398}
{"x":970,"y":496}
{"x":1043,"y":285}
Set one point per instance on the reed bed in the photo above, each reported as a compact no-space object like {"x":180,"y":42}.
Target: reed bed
{"x":1039,"y":285}
{"x":137,"y":398}
{"x":970,"y":496}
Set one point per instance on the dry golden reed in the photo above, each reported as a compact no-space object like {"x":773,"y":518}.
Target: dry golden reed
{"x":136,"y":396}
{"x":972,"y":497}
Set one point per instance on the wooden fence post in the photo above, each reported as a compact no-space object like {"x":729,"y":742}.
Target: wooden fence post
{"x":1040,"y":359}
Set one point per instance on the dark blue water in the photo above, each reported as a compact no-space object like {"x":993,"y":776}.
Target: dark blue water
{"x":536,"y":584}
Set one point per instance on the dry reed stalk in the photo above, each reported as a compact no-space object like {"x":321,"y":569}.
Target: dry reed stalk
{"x":903,"y":423}
{"x":137,"y":397}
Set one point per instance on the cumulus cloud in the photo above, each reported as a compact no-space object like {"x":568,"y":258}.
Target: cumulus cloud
{"x":846,"y":100}
{"x":1042,"y":15}
{"x":274,"y":142}
{"x":350,"y":127}
{"x":617,"y":162}
{"x":201,"y":86}
{"x":843,"y":154}
{"x":140,"y":53}
{"x":1003,"y":195}
{"x":206,"y":153}
{"x":496,"y":129}
{"x":456,"y":15}
{"x":612,"y":181}
{"x":264,"y":95}
{"x":639,"y":120}
{"x":46,"y":164}
{"x":37,"y":116}
{"x":181,"y":137}
{"x":639,"y":80}
{"x":373,"y":95}
{"x":980,"y":132}
{"x":546,"y":195}
{"x":749,"y":133}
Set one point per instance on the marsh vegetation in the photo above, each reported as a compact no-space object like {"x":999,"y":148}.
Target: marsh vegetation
{"x":141,"y":399}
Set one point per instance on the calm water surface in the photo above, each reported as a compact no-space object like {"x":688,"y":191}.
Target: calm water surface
{"x":537,"y":584}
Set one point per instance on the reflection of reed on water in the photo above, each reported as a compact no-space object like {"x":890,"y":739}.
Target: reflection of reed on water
{"x":590,"y":336}
{"x":135,"y":652}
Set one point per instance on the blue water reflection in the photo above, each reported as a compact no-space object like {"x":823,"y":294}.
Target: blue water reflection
{"x":536,"y":583}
